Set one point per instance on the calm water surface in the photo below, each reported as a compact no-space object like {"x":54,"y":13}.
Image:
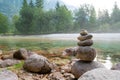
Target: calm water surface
{"x":97,"y":37}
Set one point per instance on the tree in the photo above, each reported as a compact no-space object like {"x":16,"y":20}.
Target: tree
{"x":115,"y":15}
{"x":103,"y":17}
{"x":13,"y":26}
{"x":24,"y":23}
{"x":63,"y":18}
{"x":82,"y":17}
{"x":39,"y":3}
{"x":31,"y":4}
{"x":3,"y":23}
{"x":92,"y":19}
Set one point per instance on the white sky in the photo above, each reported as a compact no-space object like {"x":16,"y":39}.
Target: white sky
{"x":98,"y":4}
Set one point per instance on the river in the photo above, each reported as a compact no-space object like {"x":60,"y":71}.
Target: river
{"x":108,"y":42}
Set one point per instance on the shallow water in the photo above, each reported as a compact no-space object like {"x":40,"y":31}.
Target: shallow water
{"x":109,"y":42}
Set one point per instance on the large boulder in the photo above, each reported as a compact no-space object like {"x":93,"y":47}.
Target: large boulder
{"x":116,"y":67}
{"x":86,"y":53}
{"x":7,"y":75}
{"x":101,"y":74}
{"x":80,"y":67}
{"x":22,"y":54}
{"x":86,"y":37}
{"x":8,"y":62}
{"x":88,"y":42}
{"x":38,"y":64}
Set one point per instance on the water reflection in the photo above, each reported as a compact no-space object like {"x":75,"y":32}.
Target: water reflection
{"x":106,"y":61}
{"x":108,"y":64}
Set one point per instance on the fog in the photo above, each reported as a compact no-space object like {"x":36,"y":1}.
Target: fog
{"x":96,"y":36}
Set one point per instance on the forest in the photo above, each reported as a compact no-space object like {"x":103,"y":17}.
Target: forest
{"x":34,"y":19}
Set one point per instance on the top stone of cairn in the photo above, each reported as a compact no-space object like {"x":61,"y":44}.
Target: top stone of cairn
{"x":83,"y":32}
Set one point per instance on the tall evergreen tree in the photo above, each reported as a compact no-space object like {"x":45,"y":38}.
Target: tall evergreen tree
{"x":115,"y":16}
{"x":24,"y":23}
{"x":103,"y":17}
{"x":31,"y":4}
{"x":39,"y":3}
{"x":82,"y":17}
{"x":63,"y":18}
{"x":92,"y":18}
{"x":3,"y":23}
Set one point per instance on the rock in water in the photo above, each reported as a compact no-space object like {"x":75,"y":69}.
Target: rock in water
{"x":101,"y":74}
{"x":88,"y":42}
{"x":86,"y":37}
{"x":80,"y":67}
{"x":37,"y":63}
{"x":7,"y":75}
{"x":86,"y":53}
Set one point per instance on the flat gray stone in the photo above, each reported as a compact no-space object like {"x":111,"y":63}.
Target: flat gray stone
{"x":101,"y":74}
{"x":7,"y":75}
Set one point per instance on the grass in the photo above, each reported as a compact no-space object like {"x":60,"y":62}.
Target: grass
{"x":16,"y":66}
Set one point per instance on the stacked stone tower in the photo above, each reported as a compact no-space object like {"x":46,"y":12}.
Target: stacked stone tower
{"x":86,"y":54}
{"x":84,"y":51}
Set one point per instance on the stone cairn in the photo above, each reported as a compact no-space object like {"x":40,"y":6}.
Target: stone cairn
{"x":86,"y":54}
{"x":84,"y":51}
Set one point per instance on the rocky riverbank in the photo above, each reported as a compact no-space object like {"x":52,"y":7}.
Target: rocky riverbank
{"x":24,"y":64}
{"x":35,"y":66}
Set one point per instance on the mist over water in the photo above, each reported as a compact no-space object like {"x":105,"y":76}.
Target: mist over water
{"x":107,"y":36}
{"x":73,"y":36}
{"x":96,"y":36}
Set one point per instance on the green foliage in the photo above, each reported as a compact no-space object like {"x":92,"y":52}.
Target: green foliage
{"x":34,"y":19}
{"x":3,"y":23}
{"x":31,"y":4}
{"x":104,"y":28}
{"x":17,"y":66}
{"x":14,"y":21}
{"x":24,"y":23}
{"x":115,"y":27}
{"x":103,"y":17}
{"x":92,"y":19}
{"x":109,"y":22}
{"x":85,"y":17}
{"x":39,"y":3}
{"x":63,"y":19}
{"x":115,"y":16}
